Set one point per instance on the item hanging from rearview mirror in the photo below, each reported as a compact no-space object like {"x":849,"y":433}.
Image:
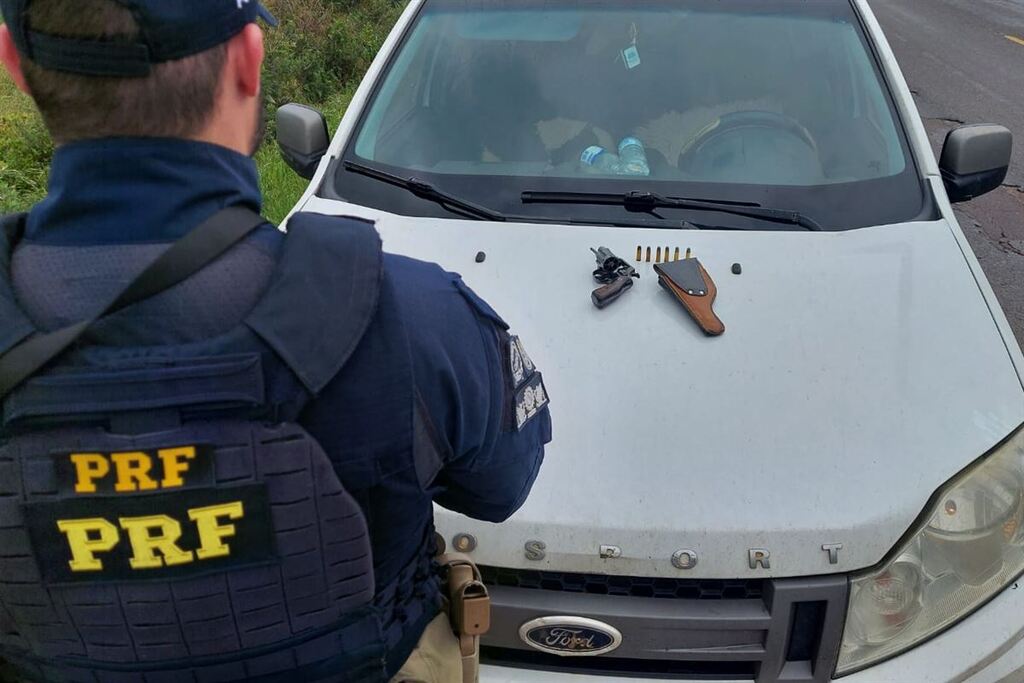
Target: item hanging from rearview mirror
{"x":614,"y":274}
{"x":692,"y":286}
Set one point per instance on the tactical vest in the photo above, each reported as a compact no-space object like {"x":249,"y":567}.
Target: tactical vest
{"x":162,"y":515}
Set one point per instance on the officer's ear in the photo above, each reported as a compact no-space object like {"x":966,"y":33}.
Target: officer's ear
{"x":245,"y":60}
{"x":11,"y":59}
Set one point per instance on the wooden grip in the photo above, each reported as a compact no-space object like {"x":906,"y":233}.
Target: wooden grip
{"x":701,"y":308}
{"x":603,"y":296}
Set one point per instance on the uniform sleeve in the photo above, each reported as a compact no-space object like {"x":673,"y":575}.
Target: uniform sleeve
{"x":484,"y":401}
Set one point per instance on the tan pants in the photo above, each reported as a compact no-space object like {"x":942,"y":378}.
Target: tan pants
{"x":436,"y":659}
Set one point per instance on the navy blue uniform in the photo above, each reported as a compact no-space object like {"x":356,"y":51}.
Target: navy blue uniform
{"x":113,"y":204}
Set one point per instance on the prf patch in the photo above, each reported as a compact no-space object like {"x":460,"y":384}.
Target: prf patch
{"x":530,"y":394}
{"x":91,"y":473}
{"x":142,"y":515}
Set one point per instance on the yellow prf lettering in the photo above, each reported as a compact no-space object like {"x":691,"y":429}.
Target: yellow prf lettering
{"x":151,"y":534}
{"x":211,"y":532}
{"x":88,"y":468}
{"x":133,"y":472}
{"x":86,"y":537}
{"x":176,"y":463}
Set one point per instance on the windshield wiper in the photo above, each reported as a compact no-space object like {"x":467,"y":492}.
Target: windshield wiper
{"x":464,"y":207}
{"x":425,"y":190}
{"x":661,"y":224}
{"x":648,"y":201}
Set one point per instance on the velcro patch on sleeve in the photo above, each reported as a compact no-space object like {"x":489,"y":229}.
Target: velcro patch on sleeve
{"x":520,"y":364}
{"x":531,"y":399}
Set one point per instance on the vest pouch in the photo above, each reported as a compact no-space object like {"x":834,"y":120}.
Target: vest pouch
{"x":221,"y":550}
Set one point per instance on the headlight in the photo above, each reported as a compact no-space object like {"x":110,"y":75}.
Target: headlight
{"x":967,"y":547}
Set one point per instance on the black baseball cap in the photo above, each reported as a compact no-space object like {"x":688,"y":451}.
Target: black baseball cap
{"x":168,"y":30}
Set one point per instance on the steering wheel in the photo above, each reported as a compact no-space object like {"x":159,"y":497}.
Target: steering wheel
{"x":730,"y":124}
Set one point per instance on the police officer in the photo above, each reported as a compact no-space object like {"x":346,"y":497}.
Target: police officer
{"x":228,"y":475}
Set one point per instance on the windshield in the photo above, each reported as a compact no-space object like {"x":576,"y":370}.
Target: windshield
{"x":774,"y":102}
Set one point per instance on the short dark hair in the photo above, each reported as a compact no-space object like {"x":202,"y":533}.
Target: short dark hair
{"x":175,"y":100}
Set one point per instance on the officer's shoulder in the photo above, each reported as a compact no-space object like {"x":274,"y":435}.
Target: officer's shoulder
{"x":319,"y":226}
{"x":425,"y":289}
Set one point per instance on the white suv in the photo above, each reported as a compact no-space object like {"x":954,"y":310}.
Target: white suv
{"x":834,"y":487}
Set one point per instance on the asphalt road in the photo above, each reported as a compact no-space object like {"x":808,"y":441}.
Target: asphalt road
{"x":964,"y":61}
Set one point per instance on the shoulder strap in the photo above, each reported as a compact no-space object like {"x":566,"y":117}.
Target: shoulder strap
{"x":334,"y":266}
{"x":184,"y":258}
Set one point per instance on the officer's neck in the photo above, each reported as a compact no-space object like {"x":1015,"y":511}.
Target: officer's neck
{"x":235,"y":124}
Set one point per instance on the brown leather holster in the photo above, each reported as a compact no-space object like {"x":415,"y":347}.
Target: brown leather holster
{"x":698,"y":298}
{"x":469,"y":610}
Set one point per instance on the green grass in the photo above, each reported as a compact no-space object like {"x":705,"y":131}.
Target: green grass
{"x":280,"y":184}
{"x":25,"y":150}
{"x":317,"y":57}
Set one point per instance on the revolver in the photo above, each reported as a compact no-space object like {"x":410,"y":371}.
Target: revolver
{"x":614,"y":274}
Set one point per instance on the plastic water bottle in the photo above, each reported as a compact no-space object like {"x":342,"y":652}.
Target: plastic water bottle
{"x":633,"y":158}
{"x":597,"y":159}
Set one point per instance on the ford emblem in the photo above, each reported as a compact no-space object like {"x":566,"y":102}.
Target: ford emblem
{"x":570,"y":636}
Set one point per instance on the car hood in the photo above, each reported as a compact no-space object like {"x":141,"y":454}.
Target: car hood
{"x":858,"y":372}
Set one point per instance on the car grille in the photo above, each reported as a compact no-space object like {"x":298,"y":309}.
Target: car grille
{"x":765,"y":630}
{"x":629,"y":586}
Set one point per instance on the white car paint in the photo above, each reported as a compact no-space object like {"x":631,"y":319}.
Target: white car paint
{"x":823,"y":394}
{"x":859,"y":372}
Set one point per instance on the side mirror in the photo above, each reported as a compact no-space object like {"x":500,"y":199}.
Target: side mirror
{"x":302,"y":137}
{"x":975,"y":160}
